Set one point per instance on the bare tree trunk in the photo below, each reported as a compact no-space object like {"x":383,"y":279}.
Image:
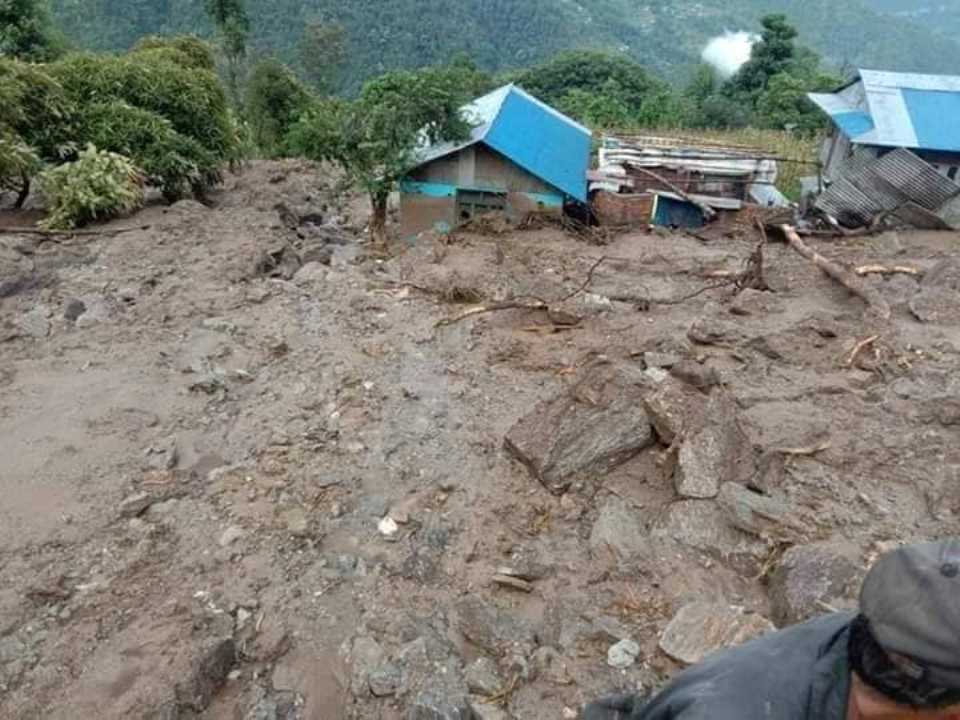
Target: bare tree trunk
{"x":23,"y":194}
{"x":378,"y":222}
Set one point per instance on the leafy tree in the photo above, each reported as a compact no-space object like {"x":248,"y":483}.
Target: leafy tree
{"x":96,"y":186}
{"x":232,"y":22}
{"x":18,"y":164}
{"x":322,"y":51}
{"x":596,"y":109}
{"x":186,"y":50}
{"x":26,"y":31}
{"x":275,"y":98}
{"x":374,"y":138}
{"x":774,"y":54}
{"x":603,"y":81}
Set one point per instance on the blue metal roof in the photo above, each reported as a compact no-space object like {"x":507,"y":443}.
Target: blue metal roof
{"x":541,"y":140}
{"x":920,"y":112}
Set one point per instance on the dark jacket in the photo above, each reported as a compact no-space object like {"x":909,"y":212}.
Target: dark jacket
{"x":800,"y":673}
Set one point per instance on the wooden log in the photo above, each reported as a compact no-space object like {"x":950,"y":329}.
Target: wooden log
{"x":851,"y":282}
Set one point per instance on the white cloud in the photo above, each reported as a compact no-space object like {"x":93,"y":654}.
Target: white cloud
{"x":728,"y":52}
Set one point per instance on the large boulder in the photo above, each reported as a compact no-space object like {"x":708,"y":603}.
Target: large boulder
{"x":811,"y":580}
{"x":702,"y":628}
{"x":588,"y":430}
{"x":715,"y":450}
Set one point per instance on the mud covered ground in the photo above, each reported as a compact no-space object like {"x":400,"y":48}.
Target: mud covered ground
{"x":253,"y":470}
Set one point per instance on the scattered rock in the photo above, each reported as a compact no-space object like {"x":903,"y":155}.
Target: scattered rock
{"x":74,"y":309}
{"x":623,"y":654}
{"x":488,"y":711}
{"x":701,"y":525}
{"x":430,"y":705}
{"x":231,"y":535}
{"x":715,"y":450}
{"x":812,"y":579}
{"x":34,"y":323}
{"x":207,"y":675}
{"x":483,"y":677}
{"x":317,"y":255}
{"x":761,"y":515}
{"x":364,"y":657}
{"x":712,"y":330}
{"x":312,"y":272}
{"x":297,"y":522}
{"x":135,"y":505}
{"x":671,"y":406}
{"x":589,"y":429}
{"x":386,"y":680}
{"x":700,"y":375}
{"x":490,"y":628}
{"x":661,"y":360}
{"x":388,"y":527}
{"x":513,"y":582}
{"x":702,"y":628}
{"x":548,"y":664}
{"x":128,"y":294}
{"x":618,"y":527}
{"x":749,"y":302}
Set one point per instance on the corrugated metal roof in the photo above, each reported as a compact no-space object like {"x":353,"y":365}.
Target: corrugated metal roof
{"x":920,"y":112}
{"x":894,"y":180}
{"x":538,"y":138}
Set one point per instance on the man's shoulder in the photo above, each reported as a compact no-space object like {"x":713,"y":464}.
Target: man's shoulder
{"x":775,"y":677}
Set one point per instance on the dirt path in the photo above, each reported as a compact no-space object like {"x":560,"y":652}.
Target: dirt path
{"x":202,"y":437}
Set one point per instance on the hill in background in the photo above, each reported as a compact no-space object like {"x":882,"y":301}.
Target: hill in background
{"x":665,"y":35}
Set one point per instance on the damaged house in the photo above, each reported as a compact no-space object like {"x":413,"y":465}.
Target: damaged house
{"x":678,"y":182}
{"x":522,"y":156}
{"x":894,"y":149}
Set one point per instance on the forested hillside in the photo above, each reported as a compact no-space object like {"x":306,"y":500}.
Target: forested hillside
{"x":665,"y":35}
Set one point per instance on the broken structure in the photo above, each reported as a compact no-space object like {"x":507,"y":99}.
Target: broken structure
{"x":894,"y":149}
{"x":677,"y":182}
{"x":522,"y":156}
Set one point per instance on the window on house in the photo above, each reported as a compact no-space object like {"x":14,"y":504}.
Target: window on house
{"x":952,"y":172}
{"x":471,"y":203}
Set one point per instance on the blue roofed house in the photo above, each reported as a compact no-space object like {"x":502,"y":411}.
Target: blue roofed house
{"x":522,"y":156}
{"x":879,"y":112}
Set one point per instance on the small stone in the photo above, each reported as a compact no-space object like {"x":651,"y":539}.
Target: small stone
{"x":297,"y":522}
{"x":483,"y":677}
{"x":434,"y":705}
{"x":661,"y":360}
{"x":34,"y":323}
{"x":673,"y":406}
{"x":490,"y":628}
{"x":623,"y":654}
{"x":388,"y":527}
{"x":365,"y":657}
{"x":135,"y":505}
{"x":231,"y":535}
{"x":618,"y":527}
{"x":569,"y":713}
{"x":128,"y":294}
{"x":513,"y":583}
{"x":488,"y":711}
{"x":243,"y":617}
{"x":336,"y":510}
{"x":702,"y":628}
{"x":385,"y":681}
{"x":74,"y":309}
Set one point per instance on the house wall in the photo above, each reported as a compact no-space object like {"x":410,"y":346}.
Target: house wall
{"x":841,"y":157}
{"x":429,"y":193}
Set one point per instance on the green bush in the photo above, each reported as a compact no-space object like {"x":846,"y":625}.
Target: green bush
{"x":193,"y":102}
{"x":18,"y":164}
{"x":275,"y":100}
{"x":177,"y":164}
{"x":96,"y":186}
{"x":34,"y":106}
{"x":186,"y":50}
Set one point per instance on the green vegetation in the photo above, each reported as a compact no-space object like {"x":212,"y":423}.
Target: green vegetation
{"x":95,"y":186}
{"x":274,"y":101}
{"x":26,"y":31}
{"x":374,"y":137}
{"x":233,"y":26}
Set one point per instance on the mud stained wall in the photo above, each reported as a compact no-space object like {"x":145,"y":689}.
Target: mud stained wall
{"x":480,"y":168}
{"x":614,"y":210}
{"x":419,"y":213}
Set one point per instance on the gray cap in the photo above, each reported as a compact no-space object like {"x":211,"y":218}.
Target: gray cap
{"x":912,"y":599}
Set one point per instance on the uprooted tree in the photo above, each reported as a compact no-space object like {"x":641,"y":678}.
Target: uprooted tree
{"x":375,"y":137}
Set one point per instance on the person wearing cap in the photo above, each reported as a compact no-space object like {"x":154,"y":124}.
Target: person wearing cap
{"x":898,"y":658}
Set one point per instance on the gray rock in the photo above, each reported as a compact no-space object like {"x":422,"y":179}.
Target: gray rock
{"x":661,"y":360}
{"x":587,"y":430}
{"x":483,"y":677}
{"x":715,"y":450}
{"x":672,"y":406}
{"x":711,"y":330}
{"x":365,"y":657}
{"x":490,"y":628}
{"x":312,"y":272}
{"x":74,"y":309}
{"x":34,"y":323}
{"x":207,"y":675}
{"x":812,"y":579}
{"x":701,"y":376}
{"x":128,"y":294}
{"x":623,"y":654}
{"x":296,"y":522}
{"x":945,"y":274}
{"x":619,"y":527}
{"x":702,"y":628}
{"x":386,"y":680}
{"x":135,"y":505}
{"x":701,"y":525}
{"x":548,"y":664}
{"x":433,"y":705}
{"x":231,"y":535}
{"x":488,"y":711}
{"x":762,"y":515}
{"x":375,"y":506}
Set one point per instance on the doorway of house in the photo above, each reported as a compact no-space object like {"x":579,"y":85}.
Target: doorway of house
{"x":471,"y":203}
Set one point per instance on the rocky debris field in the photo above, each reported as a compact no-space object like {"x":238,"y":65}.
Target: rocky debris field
{"x":254,"y":470}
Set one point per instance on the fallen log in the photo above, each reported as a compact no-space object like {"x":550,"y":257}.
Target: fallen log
{"x":888,"y":270}
{"x":835,"y":272}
